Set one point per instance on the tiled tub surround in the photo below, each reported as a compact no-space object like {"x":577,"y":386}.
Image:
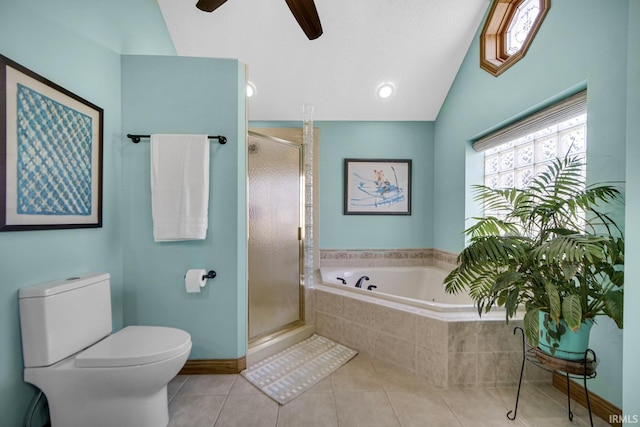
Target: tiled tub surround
{"x":450,"y":350}
{"x":386,"y":258}
{"x":455,"y":349}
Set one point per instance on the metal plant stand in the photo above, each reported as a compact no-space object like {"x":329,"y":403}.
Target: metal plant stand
{"x":584,"y":368}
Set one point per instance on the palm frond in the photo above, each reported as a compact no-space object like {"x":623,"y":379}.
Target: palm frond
{"x":575,"y":248}
{"x":462,"y":279}
{"x":550,"y":246}
{"x":493,"y":250}
{"x":490,"y":226}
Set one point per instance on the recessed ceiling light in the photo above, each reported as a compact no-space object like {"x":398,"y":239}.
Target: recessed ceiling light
{"x":251,"y":89}
{"x":385,"y":90}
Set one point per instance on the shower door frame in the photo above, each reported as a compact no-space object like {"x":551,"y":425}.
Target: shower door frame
{"x":264,"y":337}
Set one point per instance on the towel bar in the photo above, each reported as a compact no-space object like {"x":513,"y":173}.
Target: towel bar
{"x":136,"y":138}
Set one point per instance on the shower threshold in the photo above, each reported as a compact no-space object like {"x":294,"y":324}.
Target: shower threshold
{"x":268,"y":346}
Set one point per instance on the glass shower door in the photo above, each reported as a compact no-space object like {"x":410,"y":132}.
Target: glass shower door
{"x":275,"y":223}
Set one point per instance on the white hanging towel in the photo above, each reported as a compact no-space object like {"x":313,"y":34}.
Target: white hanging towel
{"x":179,"y":187}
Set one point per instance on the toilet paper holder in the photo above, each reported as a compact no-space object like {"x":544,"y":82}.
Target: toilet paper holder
{"x":210,"y":275}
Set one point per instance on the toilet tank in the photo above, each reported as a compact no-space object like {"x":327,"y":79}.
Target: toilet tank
{"x":62,"y":317}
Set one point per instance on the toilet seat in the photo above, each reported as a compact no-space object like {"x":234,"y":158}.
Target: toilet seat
{"x":135,"y":345}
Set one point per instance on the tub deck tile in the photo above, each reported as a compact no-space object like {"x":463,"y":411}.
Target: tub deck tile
{"x":329,"y":326}
{"x":463,"y":337}
{"x":448,"y":349}
{"x":395,"y":350}
{"x":329,"y":303}
{"x":398,"y":323}
{"x":358,"y":337}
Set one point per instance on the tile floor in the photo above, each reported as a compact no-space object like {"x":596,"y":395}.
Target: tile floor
{"x":365,"y":392}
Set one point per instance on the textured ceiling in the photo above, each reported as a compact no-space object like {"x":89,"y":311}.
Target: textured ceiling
{"x":417,"y":44}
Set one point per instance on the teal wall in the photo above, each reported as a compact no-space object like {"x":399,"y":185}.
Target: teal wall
{"x":630,"y":366}
{"x":92,"y":72}
{"x":77,"y":44}
{"x":381,"y":140}
{"x":581,"y":42}
{"x":124,"y":26}
{"x":163,"y":94}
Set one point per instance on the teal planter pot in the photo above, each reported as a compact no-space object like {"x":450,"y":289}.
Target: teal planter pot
{"x":570,"y":345}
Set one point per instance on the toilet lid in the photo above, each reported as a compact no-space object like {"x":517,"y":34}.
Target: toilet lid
{"x":135,"y":345}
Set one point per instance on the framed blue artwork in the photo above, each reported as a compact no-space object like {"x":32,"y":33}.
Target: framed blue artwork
{"x":377,"y":187}
{"x":50,"y":154}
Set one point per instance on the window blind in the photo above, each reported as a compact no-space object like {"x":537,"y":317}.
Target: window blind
{"x":566,"y":109}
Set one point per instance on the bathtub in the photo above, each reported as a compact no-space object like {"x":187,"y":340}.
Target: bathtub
{"x":419,"y":287}
{"x":410,"y":321}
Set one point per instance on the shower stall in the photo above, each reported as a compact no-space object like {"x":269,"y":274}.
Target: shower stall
{"x":276,"y":236}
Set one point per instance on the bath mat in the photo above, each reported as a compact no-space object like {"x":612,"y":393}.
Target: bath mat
{"x":291,"y":372}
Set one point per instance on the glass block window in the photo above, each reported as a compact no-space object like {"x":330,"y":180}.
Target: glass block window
{"x":515,"y":163}
{"x":515,"y":153}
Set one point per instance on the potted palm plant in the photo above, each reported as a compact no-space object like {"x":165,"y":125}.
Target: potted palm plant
{"x":550,"y":249}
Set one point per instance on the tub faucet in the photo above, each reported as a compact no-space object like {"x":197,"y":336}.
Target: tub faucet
{"x":360,"y":280}
{"x":344,"y":282}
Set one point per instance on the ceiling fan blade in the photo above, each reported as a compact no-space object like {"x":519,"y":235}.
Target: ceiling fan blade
{"x":209,"y":5}
{"x":307,"y":16}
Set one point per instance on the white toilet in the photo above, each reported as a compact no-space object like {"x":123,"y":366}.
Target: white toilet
{"x":90,"y":376}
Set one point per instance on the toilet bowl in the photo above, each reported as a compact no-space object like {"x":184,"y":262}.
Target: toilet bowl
{"x":90,"y":376}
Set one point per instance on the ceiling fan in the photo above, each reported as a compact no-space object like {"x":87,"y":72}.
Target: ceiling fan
{"x":303,"y":10}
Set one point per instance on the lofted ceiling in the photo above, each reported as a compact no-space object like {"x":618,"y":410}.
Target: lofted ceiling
{"x":418,"y":45}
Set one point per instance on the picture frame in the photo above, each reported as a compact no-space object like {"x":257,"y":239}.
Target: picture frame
{"x":377,"y":186}
{"x":50,"y":154}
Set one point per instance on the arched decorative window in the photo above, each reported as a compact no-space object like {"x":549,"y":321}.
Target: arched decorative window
{"x":510,"y":27}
